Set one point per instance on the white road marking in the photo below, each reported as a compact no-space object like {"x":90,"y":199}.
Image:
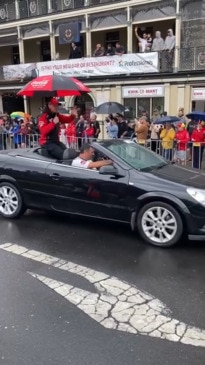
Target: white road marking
{"x":116,"y":304}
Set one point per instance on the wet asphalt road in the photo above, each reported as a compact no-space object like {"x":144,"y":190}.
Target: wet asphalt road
{"x":40,"y":327}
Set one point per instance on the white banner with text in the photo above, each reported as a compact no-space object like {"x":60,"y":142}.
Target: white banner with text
{"x":101,"y":66}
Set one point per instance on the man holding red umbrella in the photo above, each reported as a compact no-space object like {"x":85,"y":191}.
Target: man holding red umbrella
{"x":49,"y":123}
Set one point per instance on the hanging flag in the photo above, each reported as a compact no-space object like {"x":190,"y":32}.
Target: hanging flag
{"x":69,"y":33}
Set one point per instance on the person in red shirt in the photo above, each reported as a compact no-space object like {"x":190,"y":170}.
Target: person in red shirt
{"x":49,"y":125}
{"x":198,"y":139}
{"x":182,"y":139}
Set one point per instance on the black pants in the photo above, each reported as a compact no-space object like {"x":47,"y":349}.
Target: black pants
{"x":55,"y":149}
{"x":154,"y":145}
{"x":197,"y":157}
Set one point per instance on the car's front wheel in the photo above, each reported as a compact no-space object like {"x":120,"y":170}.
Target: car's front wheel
{"x":160,"y":224}
{"x":11,"y":203}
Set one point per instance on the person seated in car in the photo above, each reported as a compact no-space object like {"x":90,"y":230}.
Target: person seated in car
{"x":49,"y":125}
{"x":84,"y":160}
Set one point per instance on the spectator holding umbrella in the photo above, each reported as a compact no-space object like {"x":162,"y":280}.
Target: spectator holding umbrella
{"x":49,"y":124}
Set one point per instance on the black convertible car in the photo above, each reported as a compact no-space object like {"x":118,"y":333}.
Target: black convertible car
{"x":162,"y":201}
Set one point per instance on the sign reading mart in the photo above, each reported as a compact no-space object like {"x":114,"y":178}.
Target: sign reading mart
{"x":142,"y":91}
{"x":86,"y":67}
{"x":198,"y":94}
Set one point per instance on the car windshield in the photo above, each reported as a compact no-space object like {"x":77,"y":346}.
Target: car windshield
{"x":136,"y":156}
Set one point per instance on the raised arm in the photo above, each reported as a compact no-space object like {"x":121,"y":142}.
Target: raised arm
{"x":68,"y":118}
{"x":137,"y":35}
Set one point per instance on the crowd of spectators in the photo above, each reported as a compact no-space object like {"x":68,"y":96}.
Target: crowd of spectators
{"x":171,"y":141}
{"x":17,"y":132}
{"x":178,"y":142}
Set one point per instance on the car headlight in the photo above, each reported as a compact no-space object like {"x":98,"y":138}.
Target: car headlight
{"x":197,"y":194}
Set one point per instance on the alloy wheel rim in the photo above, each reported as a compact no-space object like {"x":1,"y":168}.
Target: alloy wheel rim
{"x":8,"y":200}
{"x":159,"y":225}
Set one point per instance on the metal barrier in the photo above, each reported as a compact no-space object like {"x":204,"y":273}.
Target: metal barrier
{"x":191,"y":155}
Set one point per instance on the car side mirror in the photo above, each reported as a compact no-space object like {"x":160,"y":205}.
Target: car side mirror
{"x":109,"y":170}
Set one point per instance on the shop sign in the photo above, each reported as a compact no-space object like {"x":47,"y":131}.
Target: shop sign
{"x":143,"y":91}
{"x":198,"y":94}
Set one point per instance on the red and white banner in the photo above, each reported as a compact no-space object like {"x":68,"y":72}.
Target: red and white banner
{"x":82,"y":67}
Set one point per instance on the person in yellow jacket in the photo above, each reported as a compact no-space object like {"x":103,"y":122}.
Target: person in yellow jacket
{"x":167,"y":136}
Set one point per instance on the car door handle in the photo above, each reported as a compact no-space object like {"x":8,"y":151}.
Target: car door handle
{"x":55,"y":176}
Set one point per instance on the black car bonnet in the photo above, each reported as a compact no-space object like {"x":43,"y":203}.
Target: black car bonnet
{"x":181,"y":175}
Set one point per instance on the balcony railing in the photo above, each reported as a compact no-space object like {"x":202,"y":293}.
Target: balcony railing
{"x":192,"y":59}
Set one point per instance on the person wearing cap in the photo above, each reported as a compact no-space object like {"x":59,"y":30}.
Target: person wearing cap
{"x":49,"y":125}
{"x":182,"y":139}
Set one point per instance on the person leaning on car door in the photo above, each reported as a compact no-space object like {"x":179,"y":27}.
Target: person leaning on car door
{"x":49,"y":125}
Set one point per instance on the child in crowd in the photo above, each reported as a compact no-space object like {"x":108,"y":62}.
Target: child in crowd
{"x":182,"y":139}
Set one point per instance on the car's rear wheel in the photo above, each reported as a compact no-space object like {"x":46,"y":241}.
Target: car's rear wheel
{"x":11,"y":203}
{"x":160,"y":224}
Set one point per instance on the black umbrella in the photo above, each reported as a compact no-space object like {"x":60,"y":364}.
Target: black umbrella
{"x":196,"y":116}
{"x":167,"y":119}
{"x":110,"y":108}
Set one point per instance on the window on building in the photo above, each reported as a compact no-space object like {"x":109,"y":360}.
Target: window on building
{"x":158,"y":103}
{"x":112,"y":38}
{"x":15,"y":57}
{"x":130,"y":104}
{"x":135,"y":106}
{"x":143,"y":104}
{"x":149,"y":104}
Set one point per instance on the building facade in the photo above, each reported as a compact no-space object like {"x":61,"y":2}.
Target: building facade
{"x":32,"y":43}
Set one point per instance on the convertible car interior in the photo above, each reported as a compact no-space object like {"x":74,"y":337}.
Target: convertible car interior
{"x":44,"y":153}
{"x":40,"y":153}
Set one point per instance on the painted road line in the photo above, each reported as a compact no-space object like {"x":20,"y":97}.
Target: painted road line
{"x":116,"y":304}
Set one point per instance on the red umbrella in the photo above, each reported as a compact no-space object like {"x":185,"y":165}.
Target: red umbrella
{"x":54,"y":85}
